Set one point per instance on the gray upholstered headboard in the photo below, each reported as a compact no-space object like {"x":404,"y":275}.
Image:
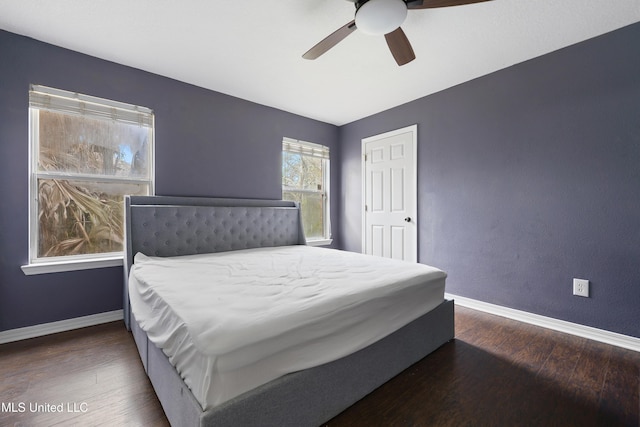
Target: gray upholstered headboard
{"x":171,"y":226}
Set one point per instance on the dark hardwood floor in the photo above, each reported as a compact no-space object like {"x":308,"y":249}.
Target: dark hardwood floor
{"x":497,"y":372}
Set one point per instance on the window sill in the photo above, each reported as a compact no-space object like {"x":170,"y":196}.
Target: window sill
{"x":319,"y":242}
{"x":75,"y":265}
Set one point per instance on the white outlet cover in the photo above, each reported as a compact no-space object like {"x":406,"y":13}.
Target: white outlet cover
{"x":581,"y":287}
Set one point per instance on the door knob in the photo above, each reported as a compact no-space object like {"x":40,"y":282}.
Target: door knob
{"x":408,"y":219}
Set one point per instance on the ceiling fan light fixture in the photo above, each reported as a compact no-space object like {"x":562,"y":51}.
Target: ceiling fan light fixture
{"x":378,"y":17}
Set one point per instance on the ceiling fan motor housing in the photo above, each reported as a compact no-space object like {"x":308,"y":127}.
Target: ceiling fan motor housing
{"x":378,"y":17}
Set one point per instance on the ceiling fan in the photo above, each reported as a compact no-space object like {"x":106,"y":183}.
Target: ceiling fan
{"x":378,"y":17}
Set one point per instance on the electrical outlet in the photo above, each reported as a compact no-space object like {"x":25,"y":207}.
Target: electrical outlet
{"x":581,"y":287}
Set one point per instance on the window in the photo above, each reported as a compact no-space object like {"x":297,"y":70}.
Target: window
{"x":86,"y":154}
{"x":305,"y":179}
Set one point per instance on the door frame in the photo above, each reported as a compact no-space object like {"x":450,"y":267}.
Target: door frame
{"x":414,"y":215}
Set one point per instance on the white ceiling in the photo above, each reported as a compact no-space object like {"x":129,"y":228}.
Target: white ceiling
{"x":252,"y":49}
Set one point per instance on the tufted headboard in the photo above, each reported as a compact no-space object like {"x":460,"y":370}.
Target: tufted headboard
{"x":171,"y":226}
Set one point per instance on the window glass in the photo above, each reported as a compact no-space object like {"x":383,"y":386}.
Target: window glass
{"x":312,"y":209}
{"x":79,"y":144}
{"x":302,"y":172}
{"x":84,"y":160}
{"x":305,"y":180}
{"x":82,"y":217}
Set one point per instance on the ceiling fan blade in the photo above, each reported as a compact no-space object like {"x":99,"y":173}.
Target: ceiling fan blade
{"x":330,"y":41}
{"x":430,"y":4}
{"x":400,"y":47}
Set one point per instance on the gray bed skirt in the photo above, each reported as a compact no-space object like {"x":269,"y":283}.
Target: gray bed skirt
{"x":305,"y":398}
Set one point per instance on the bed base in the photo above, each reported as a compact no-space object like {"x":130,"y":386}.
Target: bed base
{"x":170,"y":226}
{"x":305,"y":398}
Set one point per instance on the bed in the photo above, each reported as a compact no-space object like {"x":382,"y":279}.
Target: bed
{"x":315,"y":374}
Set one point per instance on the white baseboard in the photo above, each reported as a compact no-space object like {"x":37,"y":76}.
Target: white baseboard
{"x":607,"y":337}
{"x":60,"y":326}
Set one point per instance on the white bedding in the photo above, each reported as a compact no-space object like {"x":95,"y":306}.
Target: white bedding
{"x":232,"y":321}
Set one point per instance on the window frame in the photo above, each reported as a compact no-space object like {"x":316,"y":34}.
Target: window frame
{"x":311,"y":149}
{"x":100,"y":109}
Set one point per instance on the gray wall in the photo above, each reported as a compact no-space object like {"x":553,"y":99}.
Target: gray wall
{"x":528,"y":177}
{"x":207,"y":144}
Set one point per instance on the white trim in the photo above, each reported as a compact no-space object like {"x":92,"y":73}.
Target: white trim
{"x":319,"y":242}
{"x":88,"y":177}
{"x":60,"y":326}
{"x":72,"y":265}
{"x":600,"y":335}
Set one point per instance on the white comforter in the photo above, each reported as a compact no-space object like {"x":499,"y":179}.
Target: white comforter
{"x":234,"y":320}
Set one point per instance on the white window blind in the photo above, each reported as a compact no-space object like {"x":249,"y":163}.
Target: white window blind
{"x":306,"y":148}
{"x":62,"y":101}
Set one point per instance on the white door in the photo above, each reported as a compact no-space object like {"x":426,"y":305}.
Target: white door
{"x":390,"y":227}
